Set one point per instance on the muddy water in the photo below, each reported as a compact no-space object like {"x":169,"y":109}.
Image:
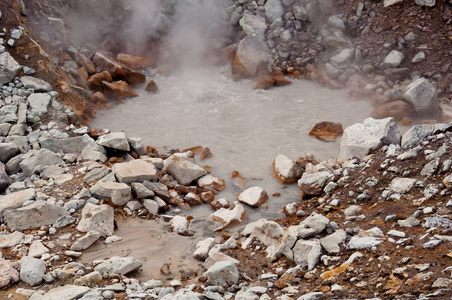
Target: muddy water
{"x":245,"y":129}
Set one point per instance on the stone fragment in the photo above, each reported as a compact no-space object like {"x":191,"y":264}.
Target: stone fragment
{"x":90,"y":279}
{"x":223,"y":273}
{"x":203,"y":247}
{"x":66,"y":292}
{"x":136,"y":170}
{"x":86,"y":241}
{"x":418,"y":132}
{"x":151,"y":87}
{"x":114,"y":140}
{"x":363,"y":242}
{"x":332,"y":241}
{"x":342,"y":268}
{"x":229,"y":217}
{"x":38,"y":85}
{"x":135,"y":62}
{"x":387,"y":3}
{"x":183,"y":171}
{"x":327,"y":131}
{"x":99,"y":218}
{"x":343,"y":58}
{"x":307,"y":253}
{"x":32,"y":271}
{"x":409,"y":222}
{"x":118,"y":89}
{"x":210,"y":183}
{"x":95,"y":81}
{"x":8,"y":68}
{"x":116,"y":192}
{"x":396,"y":109}
{"x":313,"y":183}
{"x":273,"y":10}
{"x":37,"y":249}
{"x":402,"y":185}
{"x":7,"y":151}
{"x":16,"y":199}
{"x":360,"y":138}
{"x":315,"y":221}
{"x":179,"y":224}
{"x":286,"y":170}
{"x":67,"y":145}
{"x":38,"y":159}
{"x":8,"y":273}
{"x":34,"y":215}
{"x":422,"y":95}
{"x":253,"y":196}
{"x":252,"y":55}
{"x":119,"y":265}
{"x":253,"y":25}
{"x":393,"y":59}
{"x":118,"y":70}
{"x":11,"y":240}
{"x":5,"y":180}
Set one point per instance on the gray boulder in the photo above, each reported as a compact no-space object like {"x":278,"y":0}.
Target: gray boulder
{"x":7,"y":151}
{"x":273,"y":10}
{"x":66,"y":292}
{"x":38,"y":85}
{"x":252,"y":53}
{"x":118,"y":193}
{"x":360,"y":138}
{"x":253,"y":25}
{"x":343,"y":58}
{"x":68,"y":145}
{"x":40,"y":158}
{"x":307,"y":253}
{"x":418,"y":132}
{"x":86,"y":241}
{"x":38,"y":104}
{"x":183,"y":171}
{"x":34,"y":215}
{"x":134,"y":171}
{"x":393,"y":59}
{"x":223,"y":273}
{"x":114,"y":140}
{"x":8,"y":68}
{"x":119,"y":265}
{"x":16,"y":199}
{"x":5,"y":180}
{"x":32,"y":271}
{"x":99,"y":218}
{"x":422,"y":95}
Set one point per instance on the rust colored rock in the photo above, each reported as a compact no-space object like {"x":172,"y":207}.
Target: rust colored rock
{"x":427,"y":122}
{"x":135,"y":62}
{"x":281,"y":81}
{"x":264,"y":82}
{"x":83,"y":74}
{"x":118,"y":89}
{"x":228,"y":54}
{"x":237,"y":179}
{"x":109,"y":45}
{"x":118,"y":70}
{"x":406,"y":121}
{"x":195,"y":149}
{"x":206,"y":153}
{"x":397,"y":109}
{"x":95,"y":81}
{"x":327,"y":131}
{"x":85,"y":62}
{"x":151,"y":87}
{"x":207,"y":197}
{"x":98,"y":97}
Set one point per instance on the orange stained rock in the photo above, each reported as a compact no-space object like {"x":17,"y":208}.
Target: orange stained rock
{"x":135,"y":62}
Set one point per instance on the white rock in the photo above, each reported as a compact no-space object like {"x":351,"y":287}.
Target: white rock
{"x":183,"y":171}
{"x":393,"y":59}
{"x":253,"y":196}
{"x":179,"y":224}
{"x":8,"y":67}
{"x":286,"y":170}
{"x":307,"y":253}
{"x":253,"y":25}
{"x":119,"y":265}
{"x":136,"y":170}
{"x":114,"y":140}
{"x":229,"y":217}
{"x":32,"y":270}
{"x":210,"y":183}
{"x":317,"y":222}
{"x":422,"y":94}
{"x":86,"y":241}
{"x":203,"y":247}
{"x":152,"y":206}
{"x":331,"y":242}
{"x":8,"y":273}
{"x":396,"y":233}
{"x":38,"y":85}
{"x":222,"y":273}
{"x":402,"y":185}
{"x":252,"y":53}
{"x":66,"y":292}
{"x":16,"y":199}
{"x":11,"y":240}
{"x":99,"y":218}
{"x":116,"y":192}
{"x":273,"y":10}
{"x":37,"y":249}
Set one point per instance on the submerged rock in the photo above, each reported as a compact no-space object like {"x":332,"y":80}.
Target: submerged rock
{"x":253,"y":196}
{"x":183,"y":171}
{"x":252,"y":55}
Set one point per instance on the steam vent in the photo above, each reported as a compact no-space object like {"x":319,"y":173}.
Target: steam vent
{"x":225,"y":149}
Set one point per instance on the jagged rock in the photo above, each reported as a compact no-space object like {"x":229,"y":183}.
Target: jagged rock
{"x":313,"y":183}
{"x":152,"y":206}
{"x":253,"y":25}
{"x":8,"y":68}
{"x":38,"y":104}
{"x":67,"y":145}
{"x":327,"y":131}
{"x":393,"y":59}
{"x":203,"y":247}
{"x":429,"y":3}
{"x":344,"y":57}
{"x":86,"y":241}
{"x":118,"y":193}
{"x":37,"y":249}
{"x":331,"y":242}
{"x":360,"y":138}
{"x":387,"y":3}
{"x":159,"y":189}
{"x":210,"y":183}
{"x":32,"y":271}
{"x":38,"y":85}
{"x":252,"y":55}
{"x":402,"y":185}
{"x":286,"y":170}
{"x":253,"y":196}
{"x":418,"y":132}
{"x":33,"y":216}
{"x":118,"y":70}
{"x":352,"y":210}
{"x":229,"y":217}
{"x":8,"y":273}
{"x":118,"y":89}
{"x":7,"y":151}
{"x":180,"y":225}
{"x":183,"y":171}
{"x":40,"y":158}
{"x":96,"y":174}
{"x":134,"y":171}
{"x":99,"y":218}
{"x":16,"y":199}
{"x":317,"y":222}
{"x":307,"y":253}
{"x":223,"y":273}
{"x":134,"y":62}
{"x":94,"y":152}
{"x":119,"y":265}
{"x":90,"y":279}
{"x":11,"y":240}
{"x":366,"y":239}
{"x":5,"y":180}
{"x":409,"y":222}
{"x":114,"y":140}
{"x":273,"y":10}
{"x":66,"y":292}
{"x":141,"y":191}
{"x":151,"y":87}
{"x":397,"y":109}
{"x":95,"y":81}
{"x":422,"y":95}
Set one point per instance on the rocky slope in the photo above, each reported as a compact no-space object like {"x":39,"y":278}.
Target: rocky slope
{"x":374,"y":224}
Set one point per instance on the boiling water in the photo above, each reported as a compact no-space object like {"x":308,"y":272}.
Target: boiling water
{"x":245,"y":129}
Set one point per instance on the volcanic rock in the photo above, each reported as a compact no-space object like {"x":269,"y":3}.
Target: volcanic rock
{"x":116,"y":192}
{"x":118,"y":70}
{"x":135,"y":62}
{"x":99,"y":218}
{"x":223,"y":273}
{"x":38,"y":85}
{"x":8,"y":68}
{"x":253,"y":196}
{"x":86,"y":241}
{"x":37,"y":159}
{"x":134,"y":171}
{"x":396,"y":109}
{"x":210,"y":183}
{"x":252,"y":55}
{"x":119,"y":265}
{"x":151,"y":87}
{"x":253,"y":25}
{"x":95,"y":81}
{"x":183,"y":171}
{"x":313,"y":183}
{"x":118,"y":89}
{"x":422,"y":95}
{"x":229,"y":217}
{"x":307,"y":253}
{"x":327,"y":131}
{"x":114,"y":140}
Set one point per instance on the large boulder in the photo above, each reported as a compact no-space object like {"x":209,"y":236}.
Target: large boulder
{"x":34,"y":215}
{"x":40,"y":158}
{"x":286,"y":170}
{"x":119,"y":265}
{"x":223,"y":273}
{"x":16,"y":199}
{"x":32,"y":271}
{"x":7,"y":151}
{"x":8,"y":68}
{"x":252,"y":56}
{"x":67,"y":145}
{"x":97,"y":217}
{"x":422,"y":95}
{"x":114,"y":140}
{"x":183,"y":171}
{"x":359,"y":139}
{"x":38,"y":85}
{"x":253,"y":25}
{"x":134,"y":171}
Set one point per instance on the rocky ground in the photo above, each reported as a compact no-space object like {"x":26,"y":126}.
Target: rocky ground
{"x":374,"y":224}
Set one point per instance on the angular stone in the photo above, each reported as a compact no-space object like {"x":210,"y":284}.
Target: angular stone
{"x":210,"y":183}
{"x":86,"y":241}
{"x":96,"y":174}
{"x":118,"y":70}
{"x":253,"y":196}
{"x":135,"y":62}
{"x":141,"y":191}
{"x":327,"y":131}
{"x":253,"y":25}
{"x":99,"y":218}
{"x":114,"y":140}
{"x":39,"y":103}
{"x":37,"y":249}
{"x":273,"y":10}
{"x":402,"y":185}
{"x":38,"y":85}
{"x":7,"y":151}
{"x":203,"y":247}
{"x":95,"y":81}
{"x":418,"y":132}
{"x":5,"y":180}
{"x":179,"y":224}
{"x":312,"y":296}
{"x":11,"y":240}
{"x":67,"y":145}
{"x":183,"y":171}
{"x":85,"y":63}
{"x":229,"y":217}
{"x":118,"y":89}
{"x":316,"y":221}
{"x":152,"y":206}
{"x":360,"y":138}
{"x":119,"y":265}
{"x":393,"y":59}
{"x":252,"y":55}
{"x":8,"y":273}
{"x":8,"y":68}
{"x":34,"y":215}
{"x":307,"y":253}
{"x":66,"y":292}
{"x":286,"y":170}
{"x":16,"y":199}
{"x":313,"y":183}
{"x":118,"y":193}
{"x":32,"y":271}
{"x":223,"y":273}
{"x":397,"y":109}
{"x":345,"y":57}
{"x":40,"y":158}
{"x":332,"y":241}
{"x":134,"y":171}
{"x":422,"y":95}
